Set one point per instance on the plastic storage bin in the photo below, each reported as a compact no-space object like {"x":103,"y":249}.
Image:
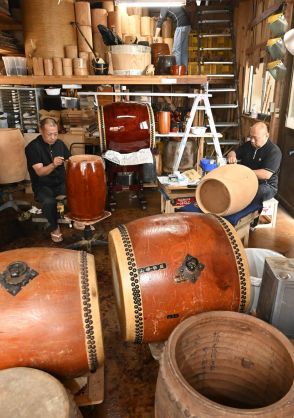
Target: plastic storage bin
{"x":15,"y":65}
{"x":256,"y":259}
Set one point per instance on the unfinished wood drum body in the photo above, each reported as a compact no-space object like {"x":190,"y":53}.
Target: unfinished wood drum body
{"x":227,"y":189}
{"x":86,"y":188}
{"x":126,"y":127}
{"x":168,"y":267}
{"x":31,"y":393}
{"x":225,"y":364}
{"x":50,"y":316}
{"x":13,"y":165}
{"x":47,"y":27}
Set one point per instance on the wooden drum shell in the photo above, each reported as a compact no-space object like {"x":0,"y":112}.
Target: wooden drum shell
{"x":13,"y":166}
{"x":147,"y":256}
{"x":126,"y":127}
{"x":53,"y":322}
{"x":86,"y":188}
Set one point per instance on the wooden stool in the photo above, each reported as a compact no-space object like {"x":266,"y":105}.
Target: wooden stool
{"x":243,"y":227}
{"x":269,"y":211}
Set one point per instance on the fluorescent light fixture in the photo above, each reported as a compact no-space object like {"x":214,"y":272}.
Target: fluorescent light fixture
{"x":150,"y":3}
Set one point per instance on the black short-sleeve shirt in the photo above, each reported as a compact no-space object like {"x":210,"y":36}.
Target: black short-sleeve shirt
{"x":268,"y":157}
{"x":38,"y":151}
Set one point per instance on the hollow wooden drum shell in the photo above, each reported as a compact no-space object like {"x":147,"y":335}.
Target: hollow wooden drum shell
{"x":13,"y":165}
{"x":153,"y":264}
{"x":86,"y":187}
{"x":126,"y":127}
{"x":50,"y":316}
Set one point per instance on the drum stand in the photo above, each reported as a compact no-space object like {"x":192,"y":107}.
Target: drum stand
{"x":7,"y":200}
{"x":90,"y":239}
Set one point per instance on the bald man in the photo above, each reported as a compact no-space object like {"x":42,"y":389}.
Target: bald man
{"x":263,"y":157}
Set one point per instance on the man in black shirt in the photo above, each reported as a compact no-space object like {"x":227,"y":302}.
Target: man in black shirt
{"x":182,"y":23}
{"x":45,"y":158}
{"x":263,"y":157}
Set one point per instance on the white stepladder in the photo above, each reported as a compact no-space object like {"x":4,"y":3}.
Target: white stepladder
{"x":198,"y":98}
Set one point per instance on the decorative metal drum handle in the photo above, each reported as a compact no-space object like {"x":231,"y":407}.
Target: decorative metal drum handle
{"x":190,"y":270}
{"x":17,"y":275}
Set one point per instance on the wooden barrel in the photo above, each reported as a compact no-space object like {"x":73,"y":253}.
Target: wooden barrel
{"x":157,"y":50}
{"x":38,"y":66}
{"x":32,"y":393}
{"x":164,"y":62}
{"x":86,"y":187}
{"x":225,"y":364}
{"x":83,"y":13}
{"x":47,"y":27}
{"x":126,"y":127}
{"x":50,"y":311}
{"x":171,"y":266}
{"x":227,"y":189}
{"x":48,"y":66}
{"x":13,"y":165}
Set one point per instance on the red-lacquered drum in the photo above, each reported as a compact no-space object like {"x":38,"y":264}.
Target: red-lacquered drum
{"x":86,"y":188}
{"x":50,"y":316}
{"x":126,"y":127}
{"x":169,"y":267}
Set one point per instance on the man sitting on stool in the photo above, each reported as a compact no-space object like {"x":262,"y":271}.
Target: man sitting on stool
{"x":45,"y":158}
{"x":263,"y":157}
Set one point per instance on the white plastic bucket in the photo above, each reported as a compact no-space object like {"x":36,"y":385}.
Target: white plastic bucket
{"x":256,"y":259}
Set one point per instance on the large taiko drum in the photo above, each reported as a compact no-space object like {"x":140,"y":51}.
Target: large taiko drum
{"x":126,"y":127}
{"x":169,"y":267}
{"x":50,"y":316}
{"x":13,"y":165}
{"x":32,"y":393}
{"x":86,"y":188}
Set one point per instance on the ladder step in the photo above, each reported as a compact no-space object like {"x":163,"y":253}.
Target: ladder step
{"x":220,"y":90}
{"x":224,"y":106}
{"x":215,"y":49}
{"x":221,"y":75}
{"x":217,"y":62}
{"x":204,"y":21}
{"x":226,"y":124}
{"x":215,"y":35}
{"x":210,"y":12}
{"x":224,"y":142}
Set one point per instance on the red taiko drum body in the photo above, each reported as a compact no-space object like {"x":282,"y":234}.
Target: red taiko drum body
{"x":86,"y":187}
{"x":126,"y":127}
{"x":50,"y":316}
{"x":169,"y":267}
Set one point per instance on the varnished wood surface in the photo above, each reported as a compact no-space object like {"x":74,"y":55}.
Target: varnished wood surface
{"x":103,"y":79}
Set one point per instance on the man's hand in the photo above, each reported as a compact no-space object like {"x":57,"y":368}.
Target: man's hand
{"x":232,"y":157}
{"x":57,"y":161}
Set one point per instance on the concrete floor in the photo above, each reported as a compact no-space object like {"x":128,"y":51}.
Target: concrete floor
{"x":130,"y":370}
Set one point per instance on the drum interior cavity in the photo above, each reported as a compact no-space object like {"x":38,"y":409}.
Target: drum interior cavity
{"x":255,"y":373}
{"x":215,"y":197}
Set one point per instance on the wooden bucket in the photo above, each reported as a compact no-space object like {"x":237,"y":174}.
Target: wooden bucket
{"x":225,"y":364}
{"x":126,"y":127}
{"x":32,"y":393}
{"x":86,"y":188}
{"x":13,"y":165}
{"x":227,"y":189}
{"x":50,"y":315}
{"x":130,"y":59}
{"x":47,"y":27}
{"x":83,"y":13}
{"x":168,"y":267}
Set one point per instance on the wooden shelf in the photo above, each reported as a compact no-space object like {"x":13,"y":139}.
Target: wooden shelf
{"x":103,"y":79}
